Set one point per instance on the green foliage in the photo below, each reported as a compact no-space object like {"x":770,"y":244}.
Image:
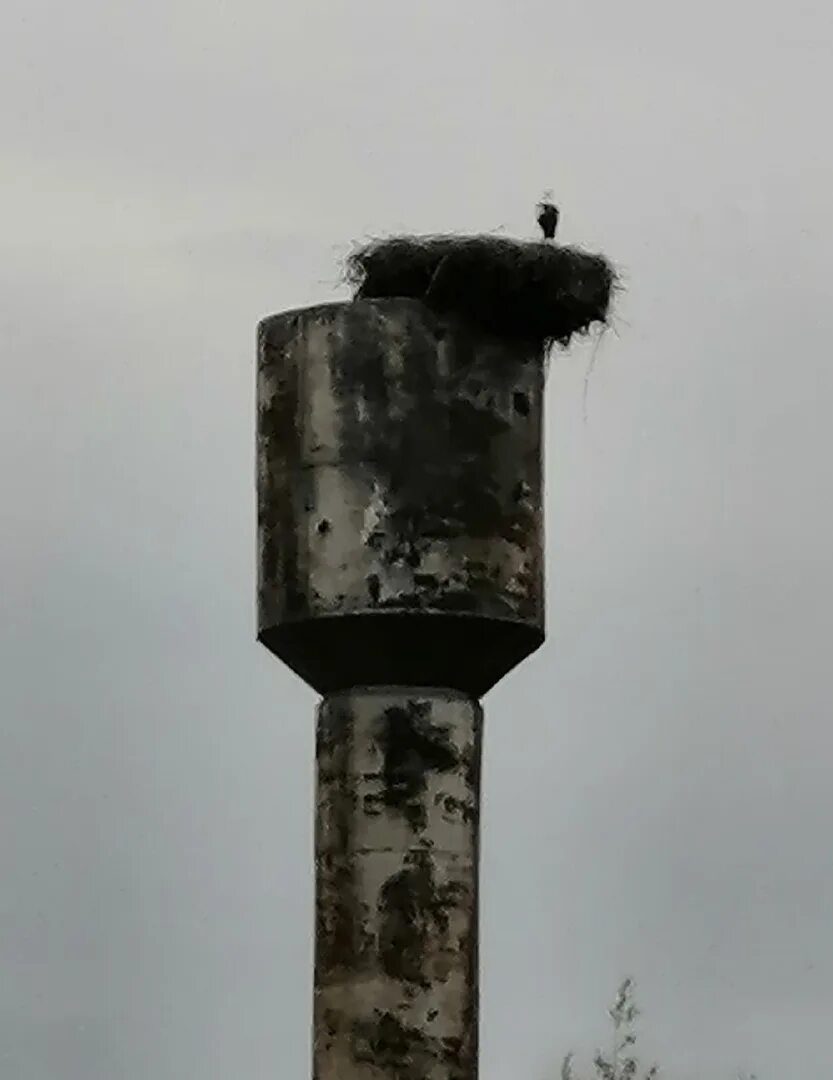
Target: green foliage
{"x":621,"y":1062}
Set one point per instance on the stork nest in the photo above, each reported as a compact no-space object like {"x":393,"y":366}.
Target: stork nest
{"x":528,"y":290}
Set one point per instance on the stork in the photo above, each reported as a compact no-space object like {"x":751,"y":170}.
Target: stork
{"x":547,"y":218}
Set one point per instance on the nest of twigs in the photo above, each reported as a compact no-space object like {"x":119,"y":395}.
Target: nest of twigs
{"x":533,"y":291}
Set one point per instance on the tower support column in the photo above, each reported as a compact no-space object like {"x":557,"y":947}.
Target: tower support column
{"x":396,"y":851}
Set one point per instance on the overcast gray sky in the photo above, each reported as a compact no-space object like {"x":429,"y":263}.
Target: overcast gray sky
{"x":658,"y":795}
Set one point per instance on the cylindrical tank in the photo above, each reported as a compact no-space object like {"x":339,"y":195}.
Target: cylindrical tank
{"x":398,"y":803}
{"x":400,"y":524}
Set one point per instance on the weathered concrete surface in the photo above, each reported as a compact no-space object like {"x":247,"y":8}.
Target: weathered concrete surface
{"x":399,"y":473}
{"x":396,"y":886}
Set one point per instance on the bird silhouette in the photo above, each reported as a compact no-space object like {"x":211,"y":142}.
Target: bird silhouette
{"x":547,"y":218}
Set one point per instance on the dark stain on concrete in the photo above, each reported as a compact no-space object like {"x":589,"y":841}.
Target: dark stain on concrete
{"x":414,"y":914}
{"x":412,"y":747}
{"x":342,"y":938}
{"x":279,"y":450}
{"x":462,"y":808}
{"x":473,"y":428}
{"x":429,"y":420}
{"x":333,"y":738}
{"x":520,"y":403}
{"x":338,"y":924}
{"x":402,"y":1052}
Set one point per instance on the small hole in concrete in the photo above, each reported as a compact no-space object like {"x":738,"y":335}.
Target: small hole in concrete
{"x":521,"y":403}
{"x":323,"y":527}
